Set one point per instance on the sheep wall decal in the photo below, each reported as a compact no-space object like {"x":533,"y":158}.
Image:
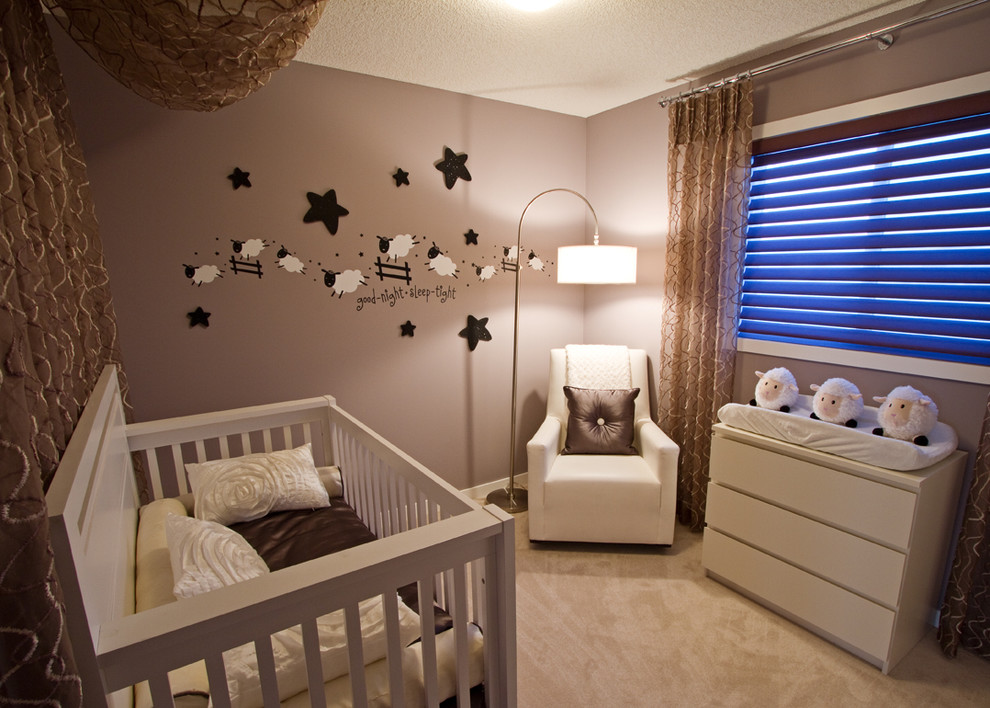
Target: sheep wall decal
{"x":346,"y":268}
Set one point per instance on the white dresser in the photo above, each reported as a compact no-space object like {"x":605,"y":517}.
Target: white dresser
{"x":853,"y":552}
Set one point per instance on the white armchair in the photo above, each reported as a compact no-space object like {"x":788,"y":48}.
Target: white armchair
{"x":604,"y":498}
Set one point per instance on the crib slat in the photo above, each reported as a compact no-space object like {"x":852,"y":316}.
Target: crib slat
{"x":151,"y":460}
{"x":365,"y":486}
{"x":429,"y":642}
{"x":421,"y":507}
{"x":349,"y":465}
{"x":392,"y":503}
{"x":383,"y":501}
{"x":308,"y":436}
{"x":200,"y":450}
{"x":180,"y":469}
{"x":458,"y":613}
{"x":393,"y":650}
{"x":355,"y":656}
{"x":440,"y":581}
{"x":477,"y":593}
{"x":377,"y":496}
{"x":219,"y":695}
{"x":371,"y":477}
{"x":266,"y":436}
{"x":161,"y":691}
{"x":266,"y":671}
{"x":314,"y":666}
{"x":352,"y":485}
{"x":402,"y":500}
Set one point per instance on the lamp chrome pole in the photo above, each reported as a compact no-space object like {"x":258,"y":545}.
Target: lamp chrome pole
{"x":515,"y":499}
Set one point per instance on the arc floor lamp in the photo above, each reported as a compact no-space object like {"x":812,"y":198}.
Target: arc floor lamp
{"x":589,"y":265}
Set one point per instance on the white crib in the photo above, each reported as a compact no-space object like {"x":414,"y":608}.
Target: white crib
{"x":427,"y":532}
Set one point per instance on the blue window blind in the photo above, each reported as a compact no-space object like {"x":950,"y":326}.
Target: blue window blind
{"x":877,"y":242}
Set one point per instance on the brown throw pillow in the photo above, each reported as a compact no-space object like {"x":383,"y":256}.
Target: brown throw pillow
{"x":600,"y":421}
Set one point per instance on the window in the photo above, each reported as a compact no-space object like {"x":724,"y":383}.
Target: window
{"x":877,"y":241}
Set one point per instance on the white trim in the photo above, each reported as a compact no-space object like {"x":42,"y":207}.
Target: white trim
{"x":967,"y":373}
{"x":977,"y":83}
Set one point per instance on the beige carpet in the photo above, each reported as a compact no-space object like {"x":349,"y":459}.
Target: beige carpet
{"x":626,"y":626}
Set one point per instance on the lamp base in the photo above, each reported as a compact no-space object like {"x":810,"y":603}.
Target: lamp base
{"x":514,"y":502}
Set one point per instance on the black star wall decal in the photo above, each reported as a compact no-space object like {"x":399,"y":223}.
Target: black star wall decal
{"x":452,"y":165}
{"x":401,"y":177}
{"x":326,"y":209}
{"x":199,"y":317}
{"x":407,"y":329}
{"x":475,"y":332}
{"x":471,"y":237}
{"x":239,"y":178}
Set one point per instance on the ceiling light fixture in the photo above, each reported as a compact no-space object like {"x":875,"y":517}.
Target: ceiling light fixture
{"x":532,"y":5}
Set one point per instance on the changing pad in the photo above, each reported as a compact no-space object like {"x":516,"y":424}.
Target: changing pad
{"x":857,"y":443}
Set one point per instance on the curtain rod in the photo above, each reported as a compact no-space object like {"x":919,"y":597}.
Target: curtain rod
{"x":882,"y":36}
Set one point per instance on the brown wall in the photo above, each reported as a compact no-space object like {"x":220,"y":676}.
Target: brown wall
{"x":159,"y":180}
{"x":163,"y":200}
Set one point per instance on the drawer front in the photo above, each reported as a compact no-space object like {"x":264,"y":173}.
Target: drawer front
{"x":847,"y":560}
{"x":862,"y":506}
{"x":821,"y":606}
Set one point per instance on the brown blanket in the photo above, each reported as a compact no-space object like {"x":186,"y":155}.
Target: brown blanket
{"x":287,"y":538}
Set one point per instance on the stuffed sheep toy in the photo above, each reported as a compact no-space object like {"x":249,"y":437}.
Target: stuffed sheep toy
{"x":906,"y":414}
{"x":777,"y":390}
{"x":837,"y":401}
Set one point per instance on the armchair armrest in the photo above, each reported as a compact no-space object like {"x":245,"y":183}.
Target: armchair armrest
{"x":541,"y":450}
{"x":660,"y":454}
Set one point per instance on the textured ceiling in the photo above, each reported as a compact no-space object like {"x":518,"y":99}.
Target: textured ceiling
{"x":580,"y":57}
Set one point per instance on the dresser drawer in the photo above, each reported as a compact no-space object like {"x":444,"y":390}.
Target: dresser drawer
{"x":847,"y":560}
{"x":862,"y":625}
{"x":863,"y":506}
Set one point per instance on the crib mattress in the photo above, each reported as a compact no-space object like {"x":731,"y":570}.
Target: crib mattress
{"x":859,"y":443}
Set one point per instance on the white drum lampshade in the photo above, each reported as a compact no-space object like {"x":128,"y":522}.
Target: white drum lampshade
{"x":596,"y":265}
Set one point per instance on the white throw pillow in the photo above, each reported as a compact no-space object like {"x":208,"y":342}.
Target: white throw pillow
{"x":206,"y":556}
{"x":249,"y":487}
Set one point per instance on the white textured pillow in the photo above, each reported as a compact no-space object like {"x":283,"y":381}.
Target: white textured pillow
{"x":245,"y":488}
{"x":206,"y":556}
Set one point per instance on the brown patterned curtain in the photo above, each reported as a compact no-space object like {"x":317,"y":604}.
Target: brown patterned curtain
{"x":57,"y":331}
{"x":57,"y":323}
{"x":708,"y":182}
{"x":965,"y":616}
{"x":189,"y":54}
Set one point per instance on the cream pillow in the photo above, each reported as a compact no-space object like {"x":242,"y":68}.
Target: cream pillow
{"x":153,"y":567}
{"x":249,"y":487}
{"x":206,"y":555}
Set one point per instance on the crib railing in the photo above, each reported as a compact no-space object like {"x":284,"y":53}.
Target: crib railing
{"x":163,"y":447}
{"x":146,"y":646}
{"x":429,"y":533}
